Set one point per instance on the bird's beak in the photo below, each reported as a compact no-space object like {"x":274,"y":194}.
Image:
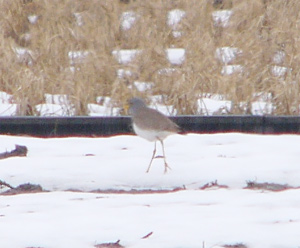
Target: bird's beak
{"x":126,"y":108}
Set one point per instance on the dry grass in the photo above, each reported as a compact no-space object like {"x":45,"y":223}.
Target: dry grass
{"x":260,"y":28}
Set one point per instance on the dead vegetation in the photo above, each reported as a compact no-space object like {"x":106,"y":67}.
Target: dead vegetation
{"x":37,"y":39}
{"x":237,"y":245}
{"x":26,"y":188}
{"x":213,"y":185}
{"x":268,"y":186}
{"x":19,"y":151}
{"x":109,"y":245}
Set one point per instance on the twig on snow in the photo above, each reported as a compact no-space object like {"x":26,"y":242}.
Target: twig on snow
{"x":147,"y":235}
{"x":5,"y":184}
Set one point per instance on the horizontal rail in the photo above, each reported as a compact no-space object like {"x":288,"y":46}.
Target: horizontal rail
{"x":108,"y":126}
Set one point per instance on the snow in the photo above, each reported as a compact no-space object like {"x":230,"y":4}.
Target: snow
{"x":187,"y":218}
{"x":128,"y":18}
{"x":158,"y":103}
{"x":143,"y":86}
{"x":279,"y":57}
{"x":24,"y":55}
{"x":279,"y":71}
{"x":104,"y":107}
{"x":176,"y":56}
{"x":227,"y":54}
{"x":8,"y":109}
{"x":62,"y":99}
{"x":50,"y":109}
{"x":208,"y":106}
{"x":174,"y":18}
{"x":167,"y":71}
{"x":77,"y":57}
{"x":78,"y":19}
{"x":5,"y":98}
{"x":123,"y":73}
{"x":221,"y":18}
{"x":217,"y":105}
{"x":33,"y":19}
{"x":262,"y":108}
{"x":98,"y":110}
{"x":231,"y":69}
{"x":56,"y":105}
{"x":125,"y":56}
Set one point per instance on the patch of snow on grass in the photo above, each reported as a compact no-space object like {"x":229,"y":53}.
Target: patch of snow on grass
{"x":78,"y":18}
{"x":176,"y":56}
{"x":61,"y":99}
{"x":103,"y":100}
{"x":167,"y":71}
{"x":209,"y":106}
{"x":279,"y":71}
{"x":104,"y":107}
{"x":49,"y":109}
{"x":124,"y":73}
{"x":77,"y":57}
{"x":8,"y":109}
{"x":279,"y":57}
{"x":221,"y":18}
{"x":56,"y":105}
{"x":231,"y":69}
{"x":227,"y":54}
{"x":5,"y":97}
{"x":143,"y":86}
{"x":33,"y":19}
{"x":98,"y":110}
{"x":24,"y":55}
{"x":157,"y":103}
{"x":261,"y":108}
{"x":128,"y":18}
{"x":125,"y":56}
{"x":174,"y":18}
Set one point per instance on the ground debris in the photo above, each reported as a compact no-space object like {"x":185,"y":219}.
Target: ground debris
{"x":5,"y":184}
{"x":137,"y":191}
{"x":237,"y":245}
{"x":110,"y":245}
{"x":19,"y":151}
{"x":22,"y":189}
{"x":213,"y":185}
{"x":147,"y":235}
{"x":268,"y":186}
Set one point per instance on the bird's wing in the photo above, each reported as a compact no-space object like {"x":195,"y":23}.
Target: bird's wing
{"x":158,"y":121}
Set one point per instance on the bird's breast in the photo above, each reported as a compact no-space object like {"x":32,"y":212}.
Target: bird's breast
{"x":151,"y":135}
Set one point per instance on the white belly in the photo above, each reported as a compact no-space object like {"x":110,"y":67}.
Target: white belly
{"x":151,"y":135}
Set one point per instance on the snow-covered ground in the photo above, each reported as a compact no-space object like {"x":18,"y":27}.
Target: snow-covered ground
{"x":69,"y":215}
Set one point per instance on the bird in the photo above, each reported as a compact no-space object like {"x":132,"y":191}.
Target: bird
{"x":151,"y":125}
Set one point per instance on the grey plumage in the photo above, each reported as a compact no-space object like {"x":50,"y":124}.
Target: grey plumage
{"x":151,"y":124}
{"x":140,"y":115}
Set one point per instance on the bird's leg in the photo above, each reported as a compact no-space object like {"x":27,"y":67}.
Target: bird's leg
{"x":165,"y":159}
{"x":153,"y":155}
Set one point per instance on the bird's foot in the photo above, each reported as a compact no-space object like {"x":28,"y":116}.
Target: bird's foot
{"x":167,"y":167}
